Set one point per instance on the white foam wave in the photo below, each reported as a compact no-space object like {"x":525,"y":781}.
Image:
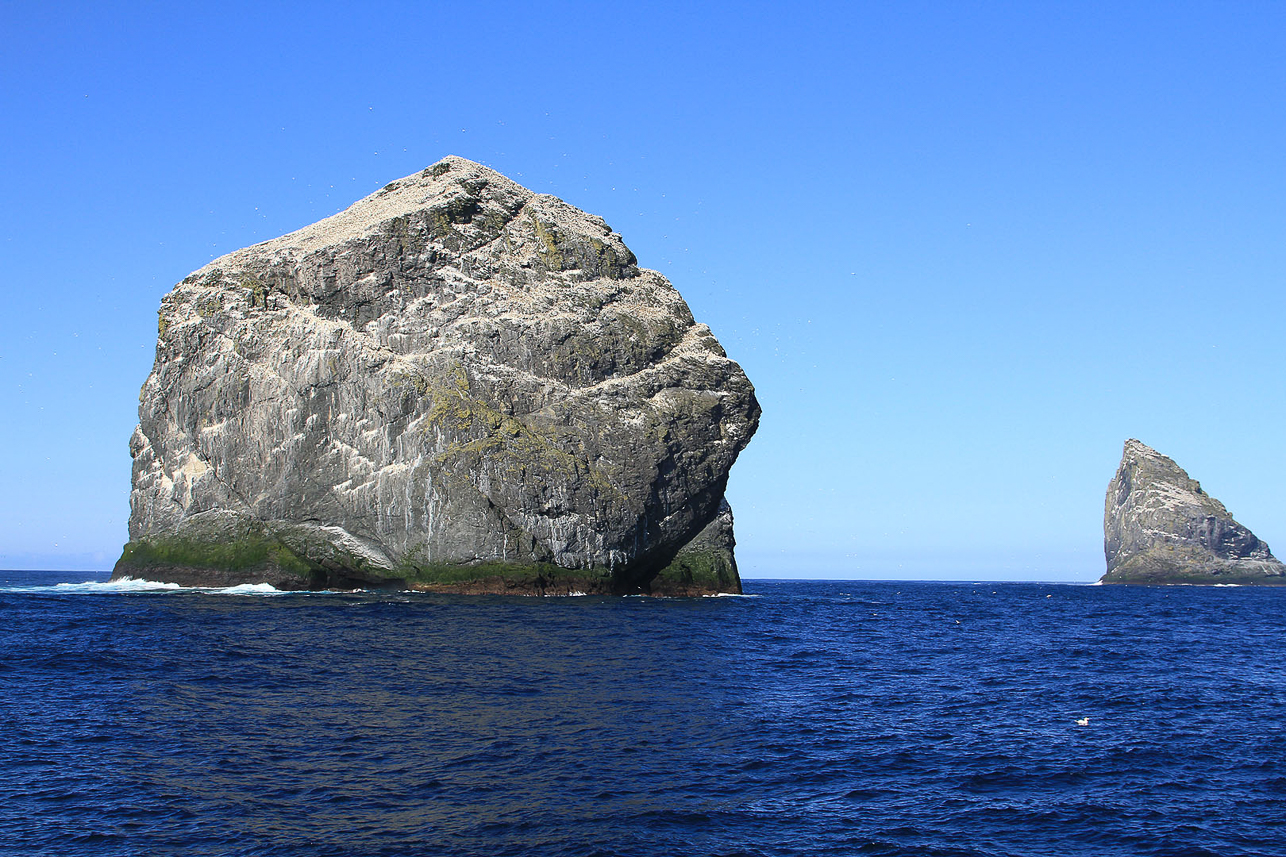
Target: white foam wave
{"x":249,"y":589}
{"x":129,"y":584}
{"x":125,"y":584}
{"x":730,"y":595}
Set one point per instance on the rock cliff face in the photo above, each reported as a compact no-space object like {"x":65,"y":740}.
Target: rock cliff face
{"x":454,"y":384}
{"x":1160,"y":527}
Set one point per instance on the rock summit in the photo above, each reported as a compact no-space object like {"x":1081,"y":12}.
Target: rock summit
{"x":1160,"y":527}
{"x":456,"y":384}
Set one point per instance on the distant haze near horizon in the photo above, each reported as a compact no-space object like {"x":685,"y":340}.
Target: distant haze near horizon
{"x":963,"y":251}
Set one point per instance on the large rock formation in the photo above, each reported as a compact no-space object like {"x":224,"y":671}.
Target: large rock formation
{"x":454,"y":384}
{"x":1160,"y":527}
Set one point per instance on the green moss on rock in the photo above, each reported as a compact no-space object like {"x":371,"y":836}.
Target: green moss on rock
{"x":246,"y":553}
{"x":481,"y":436}
{"x":697,"y":572}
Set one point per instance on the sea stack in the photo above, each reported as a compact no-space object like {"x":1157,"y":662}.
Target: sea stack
{"x":1160,"y":527}
{"x":455,"y":385}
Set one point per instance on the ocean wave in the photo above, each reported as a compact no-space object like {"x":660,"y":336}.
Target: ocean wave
{"x":94,"y":587}
{"x":125,"y":584}
{"x":248,"y":589}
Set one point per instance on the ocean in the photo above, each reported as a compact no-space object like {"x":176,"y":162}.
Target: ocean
{"x":806,"y":718}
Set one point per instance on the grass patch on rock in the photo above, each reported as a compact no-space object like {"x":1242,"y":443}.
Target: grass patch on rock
{"x":700,"y":570}
{"x":241,"y":554}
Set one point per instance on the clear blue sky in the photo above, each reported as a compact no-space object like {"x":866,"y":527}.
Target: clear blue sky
{"x":962,"y":250}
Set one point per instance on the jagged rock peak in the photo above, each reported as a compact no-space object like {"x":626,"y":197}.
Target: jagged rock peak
{"x":469,"y":204}
{"x":1159,"y":526}
{"x":455,"y":382}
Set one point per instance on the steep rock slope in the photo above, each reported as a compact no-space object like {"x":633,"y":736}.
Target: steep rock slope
{"x":455,"y":384}
{"x":1160,"y":527}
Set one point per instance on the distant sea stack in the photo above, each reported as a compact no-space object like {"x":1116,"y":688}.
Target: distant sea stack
{"x":1160,"y":527}
{"x":455,"y":385}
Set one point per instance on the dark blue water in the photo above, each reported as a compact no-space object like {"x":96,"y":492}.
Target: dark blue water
{"x":815,"y":718}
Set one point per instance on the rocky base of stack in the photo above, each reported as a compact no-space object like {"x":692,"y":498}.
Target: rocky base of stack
{"x":225,"y":549}
{"x":1171,"y":564}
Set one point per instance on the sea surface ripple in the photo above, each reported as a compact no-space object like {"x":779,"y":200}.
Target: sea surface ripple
{"x":955,"y":720}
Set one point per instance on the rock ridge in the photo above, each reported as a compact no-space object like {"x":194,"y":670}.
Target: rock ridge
{"x":1159,"y":526}
{"x":454,"y":384}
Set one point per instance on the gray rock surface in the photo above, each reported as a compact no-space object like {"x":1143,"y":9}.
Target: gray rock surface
{"x":455,"y":383}
{"x":1160,"y":527}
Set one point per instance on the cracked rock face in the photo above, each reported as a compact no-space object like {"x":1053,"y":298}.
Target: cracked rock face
{"x":1160,"y":527}
{"x":454,"y":383}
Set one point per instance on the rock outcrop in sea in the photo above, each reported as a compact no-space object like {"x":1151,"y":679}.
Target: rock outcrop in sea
{"x":1160,"y":527}
{"x":455,"y":384}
